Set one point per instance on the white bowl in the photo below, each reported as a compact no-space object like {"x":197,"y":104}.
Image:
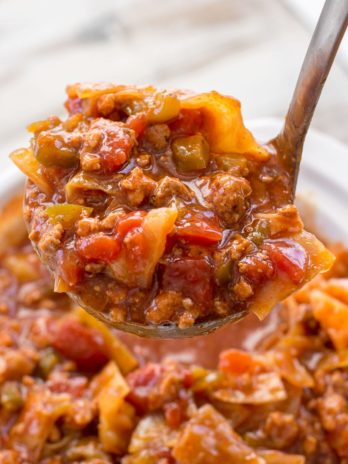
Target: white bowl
{"x":322,"y":191}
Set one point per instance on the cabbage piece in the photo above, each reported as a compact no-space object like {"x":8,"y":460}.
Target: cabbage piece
{"x":158,"y":223}
{"x":208,"y":438}
{"x":21,"y":267}
{"x":267,"y":387}
{"x":333,"y":317}
{"x":277,"y":457}
{"x":338,"y":288}
{"x":223,"y":125}
{"x":116,"y":416}
{"x":34,"y":425}
{"x":319,"y":260}
{"x":66,"y":213}
{"x":84,"y":182}
{"x":25,"y":160}
{"x":12,"y":226}
{"x":290,"y":368}
{"x":152,"y":432}
{"x":333,"y":360}
{"x":117,"y":351}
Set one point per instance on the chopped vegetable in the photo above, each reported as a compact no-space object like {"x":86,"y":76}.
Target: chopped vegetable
{"x":236,"y":362}
{"x":157,"y":224}
{"x":266,"y":387}
{"x":290,"y":258}
{"x":152,"y":432}
{"x":99,"y":247}
{"x":84,"y":182}
{"x":163,"y":107}
{"x":53,"y":150}
{"x":116,"y":417}
{"x":67,"y":214}
{"x":333,"y":316}
{"x":11,"y":396}
{"x":198,"y":231}
{"x":232,"y":161}
{"x":117,"y":351}
{"x":276,"y":290}
{"x":191,"y":153}
{"x":25,"y":160}
{"x":48,"y":360}
{"x":35,"y":423}
{"x":81,"y":344}
{"x":277,"y":457}
{"x":224,"y":126}
{"x":69,"y":266}
{"x":21,"y":267}
{"x":209,"y":438}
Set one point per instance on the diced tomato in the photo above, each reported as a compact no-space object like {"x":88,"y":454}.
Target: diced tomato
{"x":81,"y":344}
{"x":116,"y":144}
{"x":70,"y":266}
{"x":129,"y":222}
{"x":99,"y":247}
{"x":236,"y":362}
{"x":142,"y":382}
{"x":173,"y":414}
{"x":136,"y":249}
{"x":75,"y":386}
{"x":189,"y":122}
{"x":145,"y":376}
{"x":192,"y":277}
{"x":73,"y":105}
{"x":199,"y":232}
{"x":288,"y":257}
{"x":137,"y":122}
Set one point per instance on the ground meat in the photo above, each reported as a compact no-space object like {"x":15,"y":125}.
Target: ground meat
{"x":137,"y":187}
{"x":165,"y":305}
{"x":239,"y":247}
{"x":50,"y":241}
{"x":90,"y":162}
{"x":168,"y":189}
{"x":243,"y":290}
{"x":228,"y":196}
{"x":106,"y":104}
{"x":144,"y":159}
{"x":256,"y":267}
{"x":157,"y":136}
{"x":281,"y":430}
{"x":284,"y":221}
{"x":14,"y":363}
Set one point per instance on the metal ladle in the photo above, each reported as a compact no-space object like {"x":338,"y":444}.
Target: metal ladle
{"x":289,"y":143}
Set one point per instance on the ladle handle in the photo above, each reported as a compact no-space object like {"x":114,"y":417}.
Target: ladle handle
{"x":315,"y":69}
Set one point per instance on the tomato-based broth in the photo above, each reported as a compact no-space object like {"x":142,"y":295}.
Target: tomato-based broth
{"x":160,"y":207}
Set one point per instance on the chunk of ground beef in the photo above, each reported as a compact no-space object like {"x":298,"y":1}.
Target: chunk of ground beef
{"x":166,"y":304}
{"x":50,"y":241}
{"x":86,"y":226}
{"x":137,"y":186}
{"x":280,"y":429}
{"x":228,"y":196}
{"x":243,"y":289}
{"x":157,"y":136}
{"x":256,"y":267}
{"x":168,"y":189}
